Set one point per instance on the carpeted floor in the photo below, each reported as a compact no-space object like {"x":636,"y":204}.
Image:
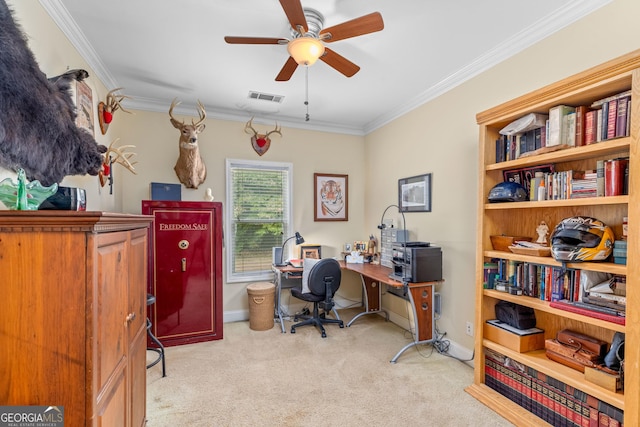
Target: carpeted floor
{"x":266,"y":378}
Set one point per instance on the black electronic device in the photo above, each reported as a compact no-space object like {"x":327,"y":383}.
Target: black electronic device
{"x":66,"y":199}
{"x":418,"y":263}
{"x":413,"y":244}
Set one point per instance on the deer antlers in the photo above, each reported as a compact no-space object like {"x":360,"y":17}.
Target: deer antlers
{"x":116,"y":155}
{"x":111,"y":105}
{"x":249,"y":125}
{"x":201,"y":112}
{"x":121,"y":157}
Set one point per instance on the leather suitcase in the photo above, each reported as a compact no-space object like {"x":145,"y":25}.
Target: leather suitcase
{"x":583,"y":342}
{"x":564,"y":360}
{"x":577,"y":355}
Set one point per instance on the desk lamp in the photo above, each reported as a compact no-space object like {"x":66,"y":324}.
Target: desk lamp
{"x":299,"y":241}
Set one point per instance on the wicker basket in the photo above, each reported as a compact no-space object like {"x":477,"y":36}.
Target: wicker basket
{"x":261,"y":305}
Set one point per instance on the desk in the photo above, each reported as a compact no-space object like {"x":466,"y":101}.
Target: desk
{"x":420,"y":296}
{"x":286,"y":271}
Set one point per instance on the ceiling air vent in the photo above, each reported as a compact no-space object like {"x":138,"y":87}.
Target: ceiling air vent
{"x":266,"y":97}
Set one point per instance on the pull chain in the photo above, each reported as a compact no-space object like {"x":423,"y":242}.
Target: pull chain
{"x":306,"y":91}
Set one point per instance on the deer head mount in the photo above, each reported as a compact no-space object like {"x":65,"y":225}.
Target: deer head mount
{"x":190,"y":167}
{"x":110,"y":106}
{"x":260,"y":142}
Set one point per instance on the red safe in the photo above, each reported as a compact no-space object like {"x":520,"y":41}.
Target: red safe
{"x":185,"y":270}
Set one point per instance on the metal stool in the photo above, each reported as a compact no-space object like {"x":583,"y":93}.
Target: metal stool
{"x":151,"y":299}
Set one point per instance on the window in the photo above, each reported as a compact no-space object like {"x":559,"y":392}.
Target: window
{"x":258,"y":216}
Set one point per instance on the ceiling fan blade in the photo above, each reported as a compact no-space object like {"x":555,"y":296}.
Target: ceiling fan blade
{"x":356,"y":27}
{"x":295,"y":14}
{"x":254,"y":40}
{"x":339,"y":62}
{"x":287,"y":71}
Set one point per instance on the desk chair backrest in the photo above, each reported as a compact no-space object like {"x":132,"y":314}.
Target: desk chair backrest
{"x":323,"y":282}
{"x":325,"y":277}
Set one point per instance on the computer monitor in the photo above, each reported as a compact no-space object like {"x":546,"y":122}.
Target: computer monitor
{"x":276,"y":255}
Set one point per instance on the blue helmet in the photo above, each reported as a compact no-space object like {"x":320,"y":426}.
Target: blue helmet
{"x":508,"y":192}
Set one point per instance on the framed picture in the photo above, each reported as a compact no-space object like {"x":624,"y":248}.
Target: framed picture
{"x":360,"y":246}
{"x":523,"y":176}
{"x":311,"y":251}
{"x":414,"y":193}
{"x":330,"y":201}
{"x":84,"y":107}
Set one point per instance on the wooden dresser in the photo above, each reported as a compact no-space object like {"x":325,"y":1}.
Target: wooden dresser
{"x":73,"y":316}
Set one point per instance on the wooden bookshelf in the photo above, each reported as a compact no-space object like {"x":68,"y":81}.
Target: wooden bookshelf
{"x":521,"y":219}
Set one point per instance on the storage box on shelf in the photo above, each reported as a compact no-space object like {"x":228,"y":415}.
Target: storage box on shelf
{"x":521,"y":219}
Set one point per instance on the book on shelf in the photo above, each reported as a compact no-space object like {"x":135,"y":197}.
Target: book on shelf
{"x":614,"y":176}
{"x":612,"y":118}
{"x":558,"y":124}
{"x":580,"y":308}
{"x":599,"y":125}
{"x":580,"y":115}
{"x":613,"y":114}
{"x":569,"y":127}
{"x":600,"y":178}
{"x":590,"y":127}
{"x":622,"y":118}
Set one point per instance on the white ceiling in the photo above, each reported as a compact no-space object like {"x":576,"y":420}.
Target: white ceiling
{"x":161,"y":49}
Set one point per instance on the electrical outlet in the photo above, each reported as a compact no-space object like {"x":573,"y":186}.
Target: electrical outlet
{"x":469,"y":328}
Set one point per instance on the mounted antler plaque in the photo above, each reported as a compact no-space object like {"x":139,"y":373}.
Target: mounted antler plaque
{"x":107,"y":108}
{"x":259,"y":142}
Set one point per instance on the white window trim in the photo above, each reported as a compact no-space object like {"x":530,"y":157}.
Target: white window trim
{"x":256,"y":164}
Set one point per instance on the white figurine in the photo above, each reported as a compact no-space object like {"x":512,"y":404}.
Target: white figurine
{"x":542,"y":230}
{"x":208,"y":196}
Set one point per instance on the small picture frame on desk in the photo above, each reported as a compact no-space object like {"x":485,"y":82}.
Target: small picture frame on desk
{"x":311,"y":251}
{"x":360,"y":246}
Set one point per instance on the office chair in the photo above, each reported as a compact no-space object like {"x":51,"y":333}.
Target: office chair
{"x":324,"y":281}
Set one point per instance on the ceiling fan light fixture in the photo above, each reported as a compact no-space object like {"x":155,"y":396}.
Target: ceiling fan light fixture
{"x":305,"y":50}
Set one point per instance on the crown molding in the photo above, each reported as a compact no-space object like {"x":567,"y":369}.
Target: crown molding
{"x":546,"y":26}
{"x":60,"y":15}
{"x":529,"y":36}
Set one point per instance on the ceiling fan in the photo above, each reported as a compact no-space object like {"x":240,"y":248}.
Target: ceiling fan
{"x":308,"y":38}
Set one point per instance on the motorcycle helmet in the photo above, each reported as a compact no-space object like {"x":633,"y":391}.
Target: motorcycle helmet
{"x":508,"y":192}
{"x":581,"y":239}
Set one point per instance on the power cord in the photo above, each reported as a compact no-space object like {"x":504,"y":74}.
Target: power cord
{"x":438,"y":344}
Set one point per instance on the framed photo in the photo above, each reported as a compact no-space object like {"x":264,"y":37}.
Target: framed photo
{"x":84,"y":107}
{"x":331,"y":199}
{"x":414,"y":193}
{"x":311,"y":251}
{"x":523,"y":176}
{"x":360,"y":246}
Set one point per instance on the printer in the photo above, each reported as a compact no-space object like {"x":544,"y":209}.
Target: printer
{"x":415,"y":262}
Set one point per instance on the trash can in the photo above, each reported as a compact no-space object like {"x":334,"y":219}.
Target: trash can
{"x":261,"y":305}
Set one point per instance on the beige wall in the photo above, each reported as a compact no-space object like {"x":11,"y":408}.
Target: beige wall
{"x":55,"y":55}
{"x":439,"y":137}
{"x":157,"y":148}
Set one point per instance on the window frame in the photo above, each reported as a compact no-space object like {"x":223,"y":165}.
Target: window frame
{"x":229,"y":221}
